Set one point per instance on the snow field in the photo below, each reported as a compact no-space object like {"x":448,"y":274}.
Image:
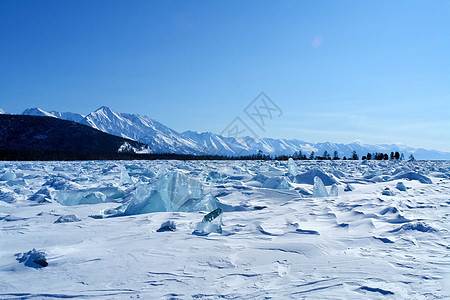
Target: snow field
{"x":277,"y":241}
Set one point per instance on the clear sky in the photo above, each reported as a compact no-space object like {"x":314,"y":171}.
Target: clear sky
{"x":374,"y":71}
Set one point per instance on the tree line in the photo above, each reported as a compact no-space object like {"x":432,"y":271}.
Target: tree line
{"x":53,"y":155}
{"x":299,"y":155}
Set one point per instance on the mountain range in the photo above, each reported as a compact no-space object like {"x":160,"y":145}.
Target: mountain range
{"x":163,"y":139}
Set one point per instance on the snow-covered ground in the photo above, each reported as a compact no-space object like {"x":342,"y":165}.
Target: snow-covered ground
{"x":277,"y":240}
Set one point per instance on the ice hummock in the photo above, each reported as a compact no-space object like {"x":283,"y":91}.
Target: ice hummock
{"x":125,"y":177}
{"x":88,"y":196}
{"x":319,"y":189}
{"x":78,"y":197}
{"x":172,"y":192}
{"x":413,"y":176}
{"x":334,"y":191}
{"x":349,"y":188}
{"x":211,"y":223}
{"x":41,"y":196}
{"x":7,"y":176}
{"x":33,"y":259}
{"x":401,"y":186}
{"x":308,"y":177}
{"x":387,"y":192}
{"x":16,"y":182}
{"x":418,"y":226}
{"x":67,"y":219}
{"x":292,"y":167}
{"x":167,"y":226}
{"x":280,"y":182}
{"x":7,"y":195}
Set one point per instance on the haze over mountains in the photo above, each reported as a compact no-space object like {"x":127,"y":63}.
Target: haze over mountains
{"x":163,"y":139}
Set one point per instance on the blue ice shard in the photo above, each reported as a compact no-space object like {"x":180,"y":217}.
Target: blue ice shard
{"x":211,"y":223}
{"x":319,"y":189}
{"x":334,"y":191}
{"x":174,"y":191}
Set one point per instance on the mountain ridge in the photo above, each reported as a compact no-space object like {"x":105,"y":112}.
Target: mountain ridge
{"x":68,"y":116}
{"x":163,"y":139}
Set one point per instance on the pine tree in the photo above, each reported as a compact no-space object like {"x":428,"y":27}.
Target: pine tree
{"x":301,"y":155}
{"x":335,"y":155}
{"x":260,"y":155}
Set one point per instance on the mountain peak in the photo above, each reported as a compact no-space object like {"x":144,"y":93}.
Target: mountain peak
{"x":36,"y":111}
{"x":104,"y":108}
{"x":2,"y":112}
{"x":106,"y":112}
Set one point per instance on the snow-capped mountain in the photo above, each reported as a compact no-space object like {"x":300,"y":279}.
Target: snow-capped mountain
{"x":211,"y":143}
{"x":68,"y":116}
{"x":60,"y":115}
{"x":163,"y":139}
{"x":160,"y":138}
{"x":2,"y":112}
{"x":214,"y":143}
{"x":37,"y":112}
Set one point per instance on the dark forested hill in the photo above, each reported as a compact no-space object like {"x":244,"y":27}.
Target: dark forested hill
{"x":34,"y":135}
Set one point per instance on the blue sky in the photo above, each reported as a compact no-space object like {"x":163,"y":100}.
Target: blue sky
{"x":374,"y":71}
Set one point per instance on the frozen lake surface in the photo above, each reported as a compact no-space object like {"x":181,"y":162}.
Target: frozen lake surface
{"x":99,"y":227}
